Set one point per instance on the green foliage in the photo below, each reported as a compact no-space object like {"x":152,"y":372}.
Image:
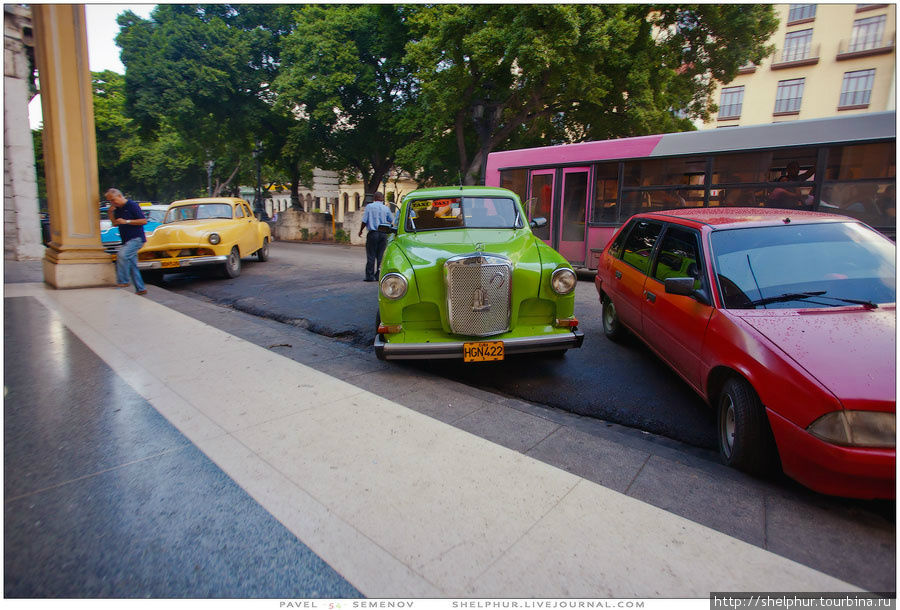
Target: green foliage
{"x":429,"y":88}
{"x":343,"y":67}
{"x":341,"y":236}
{"x":496,"y":76}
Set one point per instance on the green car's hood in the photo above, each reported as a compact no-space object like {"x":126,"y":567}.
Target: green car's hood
{"x":427,"y":251}
{"x":433,"y":248}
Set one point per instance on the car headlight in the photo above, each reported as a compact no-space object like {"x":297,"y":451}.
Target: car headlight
{"x":563,"y":280}
{"x":214,"y":238}
{"x":856,"y":428}
{"x":393,"y":285}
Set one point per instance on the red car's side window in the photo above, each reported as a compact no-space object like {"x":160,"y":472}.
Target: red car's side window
{"x":639,"y":244}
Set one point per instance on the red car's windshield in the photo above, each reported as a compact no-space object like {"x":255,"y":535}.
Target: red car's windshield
{"x":804,"y":266}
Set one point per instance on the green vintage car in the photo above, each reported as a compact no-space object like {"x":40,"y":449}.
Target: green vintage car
{"x":464,"y":277}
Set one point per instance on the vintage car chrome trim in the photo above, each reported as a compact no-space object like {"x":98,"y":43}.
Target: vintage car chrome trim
{"x":454,"y":349}
{"x":184,"y":262}
{"x":482,"y":299}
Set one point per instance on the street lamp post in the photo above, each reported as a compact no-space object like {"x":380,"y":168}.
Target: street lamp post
{"x":483,"y":116}
{"x":258,"y":207}
{"x":209,"y":168}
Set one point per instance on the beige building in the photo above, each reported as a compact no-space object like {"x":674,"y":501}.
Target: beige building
{"x":830,"y":60}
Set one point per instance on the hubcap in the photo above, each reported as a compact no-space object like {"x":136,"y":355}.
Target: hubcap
{"x":609,"y":315}
{"x":726,"y":427}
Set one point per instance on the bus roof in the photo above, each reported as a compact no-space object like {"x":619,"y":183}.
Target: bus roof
{"x":874,"y":126}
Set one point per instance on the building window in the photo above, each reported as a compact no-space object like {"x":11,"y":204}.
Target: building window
{"x":796,"y":45}
{"x":857,"y":88}
{"x":730,"y":103}
{"x":800,"y":12}
{"x":867,"y":33}
{"x":789,"y":95}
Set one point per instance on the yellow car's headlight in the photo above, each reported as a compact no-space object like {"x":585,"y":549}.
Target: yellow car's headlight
{"x":214,"y":238}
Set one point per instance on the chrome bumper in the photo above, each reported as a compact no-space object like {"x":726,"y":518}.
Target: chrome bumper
{"x":454,"y":349}
{"x":185,"y":262}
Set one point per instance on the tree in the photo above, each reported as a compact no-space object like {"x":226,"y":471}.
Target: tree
{"x":188,"y":69}
{"x":157,"y":166}
{"x":492,"y":76}
{"x":342,"y":70}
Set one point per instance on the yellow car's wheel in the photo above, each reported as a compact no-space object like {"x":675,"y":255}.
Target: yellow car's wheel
{"x":232,"y":267}
{"x":263,"y":253}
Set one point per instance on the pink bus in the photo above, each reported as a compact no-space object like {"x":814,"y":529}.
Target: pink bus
{"x":843,"y":165}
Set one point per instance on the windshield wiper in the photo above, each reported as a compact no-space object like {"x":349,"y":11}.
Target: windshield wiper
{"x":789,"y":296}
{"x":802,"y":296}
{"x":864,"y":303}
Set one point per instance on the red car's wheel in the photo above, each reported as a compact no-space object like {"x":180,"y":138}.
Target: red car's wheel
{"x":612,"y":328}
{"x":745,"y":439}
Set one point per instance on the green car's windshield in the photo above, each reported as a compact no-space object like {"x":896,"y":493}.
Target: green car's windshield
{"x":804,"y":266}
{"x":198,"y":211}
{"x":462,"y":212}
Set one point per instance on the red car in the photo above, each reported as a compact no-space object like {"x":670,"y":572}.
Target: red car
{"x":783,"y":321}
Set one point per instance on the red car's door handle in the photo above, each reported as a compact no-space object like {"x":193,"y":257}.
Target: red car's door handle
{"x":618,"y":275}
{"x":650,"y":296}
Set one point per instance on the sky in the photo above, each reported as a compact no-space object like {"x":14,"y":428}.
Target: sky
{"x":103,"y":54}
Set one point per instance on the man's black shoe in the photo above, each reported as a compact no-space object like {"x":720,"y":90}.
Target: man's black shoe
{"x":370,"y":279}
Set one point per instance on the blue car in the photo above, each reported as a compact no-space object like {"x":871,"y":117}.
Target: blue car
{"x":109,"y":234}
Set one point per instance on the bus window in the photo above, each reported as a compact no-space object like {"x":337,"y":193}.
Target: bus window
{"x":666,"y":172}
{"x":515,"y":180}
{"x":741,"y":168}
{"x":861,"y":161}
{"x":606,"y":192}
{"x":542,"y":198}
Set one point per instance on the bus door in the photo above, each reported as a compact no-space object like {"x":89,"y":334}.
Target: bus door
{"x":573,"y":215}
{"x":541,"y":201}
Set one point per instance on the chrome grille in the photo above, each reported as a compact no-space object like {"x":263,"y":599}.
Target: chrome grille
{"x":479,"y":288}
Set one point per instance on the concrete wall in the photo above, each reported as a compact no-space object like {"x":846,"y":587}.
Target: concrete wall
{"x":21,"y":223}
{"x":295,"y":225}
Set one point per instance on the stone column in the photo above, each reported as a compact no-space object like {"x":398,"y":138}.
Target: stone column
{"x":21,"y":225}
{"x":75,"y":257}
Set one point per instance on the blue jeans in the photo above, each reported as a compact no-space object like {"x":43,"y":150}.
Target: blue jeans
{"x":126,"y":263}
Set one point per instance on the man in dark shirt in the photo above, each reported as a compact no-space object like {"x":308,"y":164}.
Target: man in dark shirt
{"x":127,"y":215}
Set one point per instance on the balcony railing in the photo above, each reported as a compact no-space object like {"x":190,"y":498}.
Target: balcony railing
{"x":862,"y":47}
{"x":796,"y":56}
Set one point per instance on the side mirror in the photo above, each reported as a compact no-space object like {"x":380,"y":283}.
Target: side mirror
{"x":684,"y":286}
{"x":386,"y":229}
{"x":540,"y":221}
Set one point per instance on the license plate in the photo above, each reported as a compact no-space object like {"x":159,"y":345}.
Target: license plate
{"x":482,"y":351}
{"x":169,"y":264}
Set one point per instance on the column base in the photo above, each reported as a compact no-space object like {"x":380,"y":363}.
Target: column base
{"x":79,"y":275}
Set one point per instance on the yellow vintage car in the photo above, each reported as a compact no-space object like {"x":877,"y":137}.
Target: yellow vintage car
{"x":207,"y":231}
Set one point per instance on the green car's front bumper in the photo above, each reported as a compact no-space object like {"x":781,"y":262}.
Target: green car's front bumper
{"x":454,"y":349}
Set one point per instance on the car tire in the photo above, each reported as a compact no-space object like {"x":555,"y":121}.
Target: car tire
{"x":612,"y":327}
{"x":262,"y":255}
{"x":745,"y":438}
{"x":232,"y":266}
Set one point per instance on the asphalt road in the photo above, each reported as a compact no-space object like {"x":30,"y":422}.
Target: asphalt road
{"x":320,"y":287}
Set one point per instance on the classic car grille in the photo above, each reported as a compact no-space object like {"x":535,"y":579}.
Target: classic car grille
{"x":478,"y":294}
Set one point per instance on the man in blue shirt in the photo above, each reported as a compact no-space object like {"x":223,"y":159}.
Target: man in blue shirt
{"x":127,"y":215}
{"x":376,"y":213}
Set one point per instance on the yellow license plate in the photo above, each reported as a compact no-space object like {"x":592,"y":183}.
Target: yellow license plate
{"x":482,"y":351}
{"x":169,"y":264}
